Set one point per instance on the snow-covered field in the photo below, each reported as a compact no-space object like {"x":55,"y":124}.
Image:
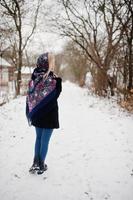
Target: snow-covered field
{"x":90,"y":157}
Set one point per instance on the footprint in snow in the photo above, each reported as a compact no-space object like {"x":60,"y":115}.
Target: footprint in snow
{"x":44,"y":178}
{"x":132,"y":173}
{"x":16,"y":176}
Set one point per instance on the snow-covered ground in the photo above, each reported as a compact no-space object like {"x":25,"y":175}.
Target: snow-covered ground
{"x":90,"y":157}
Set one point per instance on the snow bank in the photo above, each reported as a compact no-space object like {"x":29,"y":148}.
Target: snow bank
{"x":90,"y":156}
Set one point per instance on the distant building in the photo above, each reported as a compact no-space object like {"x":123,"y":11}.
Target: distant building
{"x":26,"y":72}
{"x":6,"y":72}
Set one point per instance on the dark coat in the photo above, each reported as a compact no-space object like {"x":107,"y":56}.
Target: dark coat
{"x":49,"y":118}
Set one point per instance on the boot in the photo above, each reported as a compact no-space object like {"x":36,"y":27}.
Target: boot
{"x":35,"y":165}
{"x":43,"y":167}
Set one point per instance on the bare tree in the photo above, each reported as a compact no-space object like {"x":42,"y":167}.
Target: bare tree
{"x":14,"y":12}
{"x":76,"y":63}
{"x":5,"y":32}
{"x":124,"y":12}
{"x":93,"y":25}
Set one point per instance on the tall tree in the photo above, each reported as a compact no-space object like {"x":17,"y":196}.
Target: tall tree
{"x":124,"y":13}
{"x":93,"y":25}
{"x":14,"y":14}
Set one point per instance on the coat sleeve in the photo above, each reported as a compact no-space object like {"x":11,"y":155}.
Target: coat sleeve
{"x":58,"y":86}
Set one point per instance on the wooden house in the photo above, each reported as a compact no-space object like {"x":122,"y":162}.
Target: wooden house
{"x":6,"y":72}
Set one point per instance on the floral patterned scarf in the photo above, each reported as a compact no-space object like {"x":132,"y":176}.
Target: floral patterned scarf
{"x":39,"y":88}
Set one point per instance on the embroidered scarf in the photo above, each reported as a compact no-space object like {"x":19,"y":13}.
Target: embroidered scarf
{"x":41,"y":90}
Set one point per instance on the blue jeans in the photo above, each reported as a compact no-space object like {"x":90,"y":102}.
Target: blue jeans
{"x":42,"y":141}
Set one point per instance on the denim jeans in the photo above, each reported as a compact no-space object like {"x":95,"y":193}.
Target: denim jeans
{"x":42,"y":142}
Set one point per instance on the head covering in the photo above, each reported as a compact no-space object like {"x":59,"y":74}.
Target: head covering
{"x":43,"y":63}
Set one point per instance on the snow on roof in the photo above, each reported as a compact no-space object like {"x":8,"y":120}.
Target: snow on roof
{"x":27,"y":70}
{"x":4,"y":63}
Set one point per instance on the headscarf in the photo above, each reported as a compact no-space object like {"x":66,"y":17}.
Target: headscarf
{"x":42,"y":68}
{"x":42,"y":62}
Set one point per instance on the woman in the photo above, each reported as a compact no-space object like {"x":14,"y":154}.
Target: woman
{"x":42,"y":107}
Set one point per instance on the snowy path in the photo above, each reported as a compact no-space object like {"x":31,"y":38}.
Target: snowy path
{"x":90,"y":156}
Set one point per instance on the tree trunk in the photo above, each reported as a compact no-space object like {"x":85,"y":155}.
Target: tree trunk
{"x":130,"y":62}
{"x":20,"y":54}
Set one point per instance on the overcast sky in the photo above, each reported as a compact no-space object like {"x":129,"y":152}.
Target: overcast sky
{"x":42,"y":42}
{"x":44,"y":39}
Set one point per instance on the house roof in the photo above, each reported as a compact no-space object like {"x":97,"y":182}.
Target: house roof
{"x":4,"y":63}
{"x":27,"y":70}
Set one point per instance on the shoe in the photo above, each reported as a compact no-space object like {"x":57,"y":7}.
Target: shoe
{"x":43,"y":167}
{"x":35,"y":166}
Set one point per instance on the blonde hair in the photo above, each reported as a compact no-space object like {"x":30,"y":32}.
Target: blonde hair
{"x":51,"y":60}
